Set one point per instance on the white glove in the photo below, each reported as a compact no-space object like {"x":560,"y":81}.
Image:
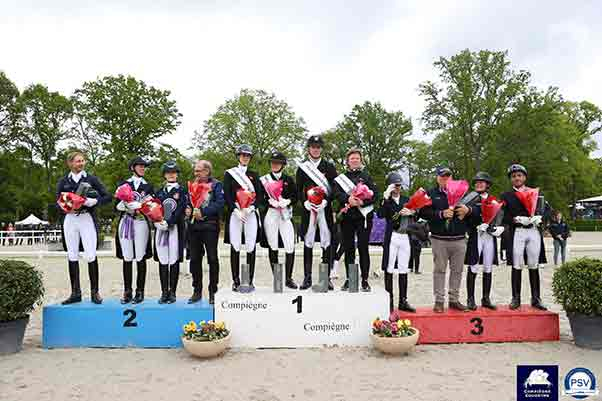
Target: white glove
{"x":121,"y":206}
{"x":161,"y":226}
{"x":240,"y":214}
{"x":536,"y":220}
{"x":90,"y":202}
{"x":307,"y":206}
{"x":407,"y":212}
{"x":482,"y":227}
{"x":321,"y":206}
{"x":249,"y":210}
{"x":284,"y":202}
{"x":497,"y":231}
{"x":387,"y":193}
{"x":134,"y":205}
{"x":523,"y":220}
{"x":273,"y":203}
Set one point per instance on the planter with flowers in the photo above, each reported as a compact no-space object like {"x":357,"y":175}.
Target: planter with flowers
{"x":395,"y":335}
{"x":207,"y":339}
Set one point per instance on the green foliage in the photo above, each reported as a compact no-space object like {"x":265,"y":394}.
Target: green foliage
{"x":254,"y":117}
{"x":21,"y":289}
{"x":8,"y":96}
{"x":577,"y":286}
{"x":586,"y":225}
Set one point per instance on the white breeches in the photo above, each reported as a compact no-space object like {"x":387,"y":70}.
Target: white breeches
{"x":236,"y":228}
{"x":274,"y":224}
{"x":134,"y":248}
{"x":320,"y":224}
{"x":399,"y":251}
{"x":485,"y":242}
{"x":528,"y":239}
{"x":76,"y":227}
{"x":168,"y":253}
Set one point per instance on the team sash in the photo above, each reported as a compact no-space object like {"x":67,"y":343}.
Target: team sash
{"x":241,"y":179}
{"x":348,"y":186}
{"x":311,"y":170}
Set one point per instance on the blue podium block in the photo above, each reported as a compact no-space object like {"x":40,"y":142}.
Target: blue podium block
{"x":113,"y":325}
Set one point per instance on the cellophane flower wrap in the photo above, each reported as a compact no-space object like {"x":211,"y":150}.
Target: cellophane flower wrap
{"x":70,"y":201}
{"x":418,"y":200}
{"x":362,"y":192}
{"x":245,"y":198}
{"x":153,"y":209}
{"x":124,"y":193}
{"x":490,"y":207}
{"x":199,"y":193}
{"x":529,"y":198}
{"x":455,"y":191}
{"x":274,"y":189}
{"x":315,"y":195}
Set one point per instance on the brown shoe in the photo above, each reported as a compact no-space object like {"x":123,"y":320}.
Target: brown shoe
{"x":438,"y":308}
{"x":458,"y":306}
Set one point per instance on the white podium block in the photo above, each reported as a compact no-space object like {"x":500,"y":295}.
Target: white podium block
{"x":294,"y":318}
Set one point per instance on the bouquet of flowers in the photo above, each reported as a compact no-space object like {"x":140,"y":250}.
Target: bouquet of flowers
{"x":455,"y":191}
{"x":153,"y":209}
{"x":124,"y":193}
{"x":199,"y":193}
{"x":490,"y":207}
{"x":245,"y":198}
{"x":529,"y":199}
{"x":205,"y":331}
{"x":419,"y":200}
{"x":315,"y":195}
{"x":274,"y":189}
{"x":69,"y":201}
{"x":362,"y":192}
{"x":395,"y":326}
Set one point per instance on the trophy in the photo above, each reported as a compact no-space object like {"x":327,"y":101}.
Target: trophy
{"x":354,"y":280}
{"x":278,"y":277}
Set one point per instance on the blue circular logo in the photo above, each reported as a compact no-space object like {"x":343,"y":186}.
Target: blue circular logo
{"x":580,"y":383}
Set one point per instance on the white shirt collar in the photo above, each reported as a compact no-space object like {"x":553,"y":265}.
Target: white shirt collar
{"x":78,"y":176}
{"x":243,"y":168}
{"x":137,"y":181}
{"x":171,"y":185}
{"x":277,"y":175}
{"x":315,"y":161}
{"x":484,"y":195}
{"x":396,"y":198}
{"x":521,"y":189}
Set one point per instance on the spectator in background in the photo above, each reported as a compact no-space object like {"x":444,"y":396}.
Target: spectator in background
{"x":3,"y":234}
{"x":11,"y":234}
{"x":560,"y":232}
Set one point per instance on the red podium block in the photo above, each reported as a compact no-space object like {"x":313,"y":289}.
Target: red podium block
{"x":526,"y":324}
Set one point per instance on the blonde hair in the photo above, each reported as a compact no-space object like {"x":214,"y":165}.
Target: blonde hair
{"x":72,"y":155}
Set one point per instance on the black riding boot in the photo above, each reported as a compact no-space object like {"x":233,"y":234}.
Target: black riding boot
{"x":76,"y":292}
{"x":273,"y":257}
{"x":93,"y":273}
{"x":174,"y":274}
{"x":164,"y":279}
{"x":404,"y":305}
{"x":486,"y":300}
{"x":328,"y":258}
{"x":235,"y":267}
{"x":307,"y":262}
{"x":470,"y":284}
{"x":140,"y":281}
{"x":389,"y":289}
{"x":516,"y":279}
{"x":127,"y":283}
{"x":251,"y":262}
{"x":535,"y":289}
{"x":289,"y":262}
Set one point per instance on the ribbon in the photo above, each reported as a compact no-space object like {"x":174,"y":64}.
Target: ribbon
{"x":127,"y":228}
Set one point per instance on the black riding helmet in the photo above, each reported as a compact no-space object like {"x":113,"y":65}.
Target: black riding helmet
{"x":394,"y":178}
{"x":170,"y":166}
{"x":514,"y":168}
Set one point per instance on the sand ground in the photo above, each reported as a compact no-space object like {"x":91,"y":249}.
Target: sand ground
{"x":434,"y":372}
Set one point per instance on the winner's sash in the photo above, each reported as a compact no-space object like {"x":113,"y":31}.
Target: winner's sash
{"x":348,"y":186}
{"x":242,"y":179}
{"x":316,"y":175}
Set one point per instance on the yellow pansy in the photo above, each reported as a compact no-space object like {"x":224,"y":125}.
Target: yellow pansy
{"x":407,"y":322}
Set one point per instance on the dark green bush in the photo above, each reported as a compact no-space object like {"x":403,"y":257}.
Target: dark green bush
{"x":577,"y":286}
{"x":21,"y":289}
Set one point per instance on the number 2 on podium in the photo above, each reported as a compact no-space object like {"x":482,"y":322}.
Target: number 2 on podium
{"x":299,"y":302}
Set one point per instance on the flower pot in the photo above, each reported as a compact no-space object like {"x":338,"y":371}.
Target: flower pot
{"x":587,"y":330}
{"x":395,"y":345}
{"x":11,"y":335}
{"x":206,"y":349}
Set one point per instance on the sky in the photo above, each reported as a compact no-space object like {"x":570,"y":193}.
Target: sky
{"x":321,"y":57}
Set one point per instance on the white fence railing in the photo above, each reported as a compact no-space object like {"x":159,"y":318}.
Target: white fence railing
{"x":28,"y":237}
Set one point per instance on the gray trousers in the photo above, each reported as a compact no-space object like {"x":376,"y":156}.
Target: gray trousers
{"x":559,"y":247}
{"x":444,"y":253}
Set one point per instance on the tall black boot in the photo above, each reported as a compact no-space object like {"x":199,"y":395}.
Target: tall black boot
{"x":127,"y":283}
{"x":516,"y":284}
{"x":93,"y":273}
{"x":235,"y":267}
{"x":164,"y":279}
{"x":251,"y":262}
{"x":307,"y":262}
{"x":328,"y":258}
{"x":174,"y":274}
{"x":140,"y":281}
{"x":273,"y":257}
{"x":289,"y":262}
{"x":486,"y":301}
{"x":470,"y":284}
{"x":76,"y":292}
{"x":404,"y":305}
{"x":534,"y":282}
{"x":389,"y":289}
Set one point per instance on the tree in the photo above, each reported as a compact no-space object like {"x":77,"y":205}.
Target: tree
{"x":120,"y":117}
{"x":381,"y":135}
{"x":477,"y":91}
{"x":254,"y":117}
{"x":42,"y":124}
{"x":420,"y":165}
{"x":8,"y":96}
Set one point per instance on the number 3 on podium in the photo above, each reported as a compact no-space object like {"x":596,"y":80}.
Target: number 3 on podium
{"x":478,"y":326}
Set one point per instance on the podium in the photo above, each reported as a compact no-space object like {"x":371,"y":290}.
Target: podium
{"x":294,"y":318}
{"x":525,"y":324}
{"x":113,"y":325}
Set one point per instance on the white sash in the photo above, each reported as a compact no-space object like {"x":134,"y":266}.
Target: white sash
{"x":242,"y":179}
{"x":348,"y":186}
{"x":315,"y":175}
{"x":287,"y":212}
